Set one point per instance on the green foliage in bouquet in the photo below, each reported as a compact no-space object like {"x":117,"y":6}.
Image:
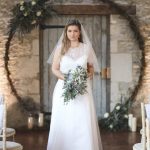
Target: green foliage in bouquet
{"x":75,"y":83}
{"x":28,"y":15}
{"x":118,"y":118}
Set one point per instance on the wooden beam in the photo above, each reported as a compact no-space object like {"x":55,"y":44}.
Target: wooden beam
{"x":91,"y":9}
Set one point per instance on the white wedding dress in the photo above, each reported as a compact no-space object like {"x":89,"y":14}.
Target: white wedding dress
{"x":74,"y":125}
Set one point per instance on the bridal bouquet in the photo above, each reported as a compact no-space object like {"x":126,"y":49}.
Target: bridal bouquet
{"x":75,"y":83}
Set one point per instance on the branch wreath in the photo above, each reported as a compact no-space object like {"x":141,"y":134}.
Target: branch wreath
{"x":26,"y":16}
{"x":29,"y":15}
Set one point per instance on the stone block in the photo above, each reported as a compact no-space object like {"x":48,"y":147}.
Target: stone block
{"x":35,"y":47}
{"x":121,"y":67}
{"x":127,"y":46}
{"x":124,"y":88}
{"x":34,"y":87}
{"x":113,"y":46}
{"x":136,"y":56}
{"x":27,"y":67}
{"x":114,"y":92}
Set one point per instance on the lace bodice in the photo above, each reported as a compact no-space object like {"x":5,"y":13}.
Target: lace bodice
{"x":73,"y":58}
{"x":76,"y":52}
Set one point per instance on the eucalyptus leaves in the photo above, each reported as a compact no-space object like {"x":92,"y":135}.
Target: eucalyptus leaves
{"x":118,"y":118}
{"x":27,"y":15}
{"x":75,"y":83}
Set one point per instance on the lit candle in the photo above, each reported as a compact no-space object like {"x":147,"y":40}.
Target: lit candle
{"x":41,"y":120}
{"x":134,"y":124}
{"x":130,"y":116}
{"x":30,"y":122}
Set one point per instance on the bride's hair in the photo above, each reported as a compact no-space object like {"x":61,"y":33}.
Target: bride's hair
{"x":66,"y":42}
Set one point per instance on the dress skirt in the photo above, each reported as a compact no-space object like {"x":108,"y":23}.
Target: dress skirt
{"x":74,"y":125}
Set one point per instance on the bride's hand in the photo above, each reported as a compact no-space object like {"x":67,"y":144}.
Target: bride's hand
{"x":90,"y":75}
{"x":90,"y":70}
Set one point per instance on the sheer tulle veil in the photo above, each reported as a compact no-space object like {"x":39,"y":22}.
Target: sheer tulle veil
{"x":90,"y":50}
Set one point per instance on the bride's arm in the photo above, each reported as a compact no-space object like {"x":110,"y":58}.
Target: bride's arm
{"x":56,"y":65}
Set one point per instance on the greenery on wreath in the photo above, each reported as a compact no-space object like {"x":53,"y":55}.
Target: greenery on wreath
{"x":28,"y":15}
{"x":118,"y":118}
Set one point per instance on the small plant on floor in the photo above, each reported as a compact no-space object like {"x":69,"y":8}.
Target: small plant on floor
{"x":117,"y":119}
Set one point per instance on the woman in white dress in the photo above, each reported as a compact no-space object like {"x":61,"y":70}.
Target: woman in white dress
{"x":73,"y":126}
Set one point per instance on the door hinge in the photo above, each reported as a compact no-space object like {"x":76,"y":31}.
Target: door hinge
{"x":105,"y":73}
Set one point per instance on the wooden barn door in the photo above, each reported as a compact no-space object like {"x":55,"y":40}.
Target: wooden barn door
{"x":97,"y":28}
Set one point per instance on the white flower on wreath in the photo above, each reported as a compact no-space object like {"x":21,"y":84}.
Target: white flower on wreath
{"x":25,"y":14}
{"x":111,"y":126}
{"x":33,"y":22}
{"x":125,"y":116}
{"x":106,"y":115}
{"x":33,"y":3}
{"x":21,"y":2}
{"x":21,"y":8}
{"x":38,"y":13}
{"x":118,"y":107}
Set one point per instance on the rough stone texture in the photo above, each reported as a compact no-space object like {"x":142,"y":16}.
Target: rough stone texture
{"x":143,"y":11}
{"x":121,"y":67}
{"x":23,"y":65}
{"x":24,"y":59}
{"x":125,"y":56}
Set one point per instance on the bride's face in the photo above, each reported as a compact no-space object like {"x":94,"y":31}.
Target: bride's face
{"x":73,"y":33}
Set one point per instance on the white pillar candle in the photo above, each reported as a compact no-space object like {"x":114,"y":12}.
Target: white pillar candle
{"x":30,"y":122}
{"x":1,"y":98}
{"x":143,"y":115}
{"x":41,"y":120}
{"x":130,"y":116}
{"x":148,"y":134}
{"x":134,"y":124}
{"x":143,"y":126}
{"x":147,"y":107}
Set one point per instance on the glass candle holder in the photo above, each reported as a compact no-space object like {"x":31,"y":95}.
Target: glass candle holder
{"x":134,"y":124}
{"x":41,"y":120}
{"x":130,"y":116}
{"x":30,"y":122}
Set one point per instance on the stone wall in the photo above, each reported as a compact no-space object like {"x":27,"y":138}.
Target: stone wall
{"x":125,"y":60}
{"x":24,"y":60}
{"x":143,"y":11}
{"x":23,"y":65}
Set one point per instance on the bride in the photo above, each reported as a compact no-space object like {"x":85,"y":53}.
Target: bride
{"x":73,"y":126}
